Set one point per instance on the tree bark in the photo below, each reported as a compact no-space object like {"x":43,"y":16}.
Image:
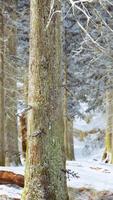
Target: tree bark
{"x":11,"y":133}
{"x":108,"y":153}
{"x":2,"y":155}
{"x":68,"y":125}
{"x":70,"y":140}
{"x":68,"y":129}
{"x":45,"y":159}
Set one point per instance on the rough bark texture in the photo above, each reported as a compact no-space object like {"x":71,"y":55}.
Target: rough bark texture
{"x":11,"y":133}
{"x":44,"y":179}
{"x":2,"y":161}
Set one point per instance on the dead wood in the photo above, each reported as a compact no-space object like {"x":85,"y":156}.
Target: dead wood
{"x":7,"y":177}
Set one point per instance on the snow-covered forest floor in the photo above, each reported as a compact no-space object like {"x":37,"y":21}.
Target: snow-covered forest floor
{"x":95,"y":181}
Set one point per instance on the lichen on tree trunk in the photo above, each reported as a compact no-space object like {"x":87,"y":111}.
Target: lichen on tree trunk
{"x":45,"y":159}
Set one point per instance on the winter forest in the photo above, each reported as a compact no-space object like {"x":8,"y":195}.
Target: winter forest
{"x":56,"y":99}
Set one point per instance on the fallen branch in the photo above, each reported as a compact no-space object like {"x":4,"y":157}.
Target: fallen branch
{"x":7,"y":177}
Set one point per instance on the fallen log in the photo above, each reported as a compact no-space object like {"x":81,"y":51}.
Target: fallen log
{"x":8,"y":177}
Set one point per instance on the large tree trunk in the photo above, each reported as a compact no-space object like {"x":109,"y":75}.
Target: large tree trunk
{"x":44,"y":177}
{"x":11,"y":133}
{"x":2,"y":158}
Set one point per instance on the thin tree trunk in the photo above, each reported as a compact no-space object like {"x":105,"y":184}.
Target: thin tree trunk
{"x":68,"y":133}
{"x":2,"y":158}
{"x":68,"y":125}
{"x":44,"y":178}
{"x":70,"y":140}
{"x":107,"y":156}
{"x":11,"y":132}
{"x":65,"y":112}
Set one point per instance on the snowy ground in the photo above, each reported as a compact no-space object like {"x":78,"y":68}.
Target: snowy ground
{"x":9,"y":190}
{"x":93,"y":173}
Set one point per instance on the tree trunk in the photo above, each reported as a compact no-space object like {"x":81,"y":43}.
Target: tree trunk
{"x":68,"y":129}
{"x":23,"y":133}
{"x":45,"y":159}
{"x":11,"y":133}
{"x":65,"y":112}
{"x":70,"y":140}
{"x":68,"y":125}
{"x":2,"y":158}
{"x":108,"y":153}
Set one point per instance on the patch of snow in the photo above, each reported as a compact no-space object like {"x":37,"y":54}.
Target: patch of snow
{"x":17,"y":170}
{"x":11,"y":192}
{"x":92,"y":174}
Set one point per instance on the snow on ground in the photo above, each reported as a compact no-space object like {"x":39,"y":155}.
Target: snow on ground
{"x":92,"y":174}
{"x":17,"y":170}
{"x":10,"y":191}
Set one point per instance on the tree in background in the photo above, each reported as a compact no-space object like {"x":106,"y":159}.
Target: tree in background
{"x":68,"y":122}
{"x":10,"y":130}
{"x":108,"y":153}
{"x":45,"y":159}
{"x":2,"y":109}
{"x":89,"y":50}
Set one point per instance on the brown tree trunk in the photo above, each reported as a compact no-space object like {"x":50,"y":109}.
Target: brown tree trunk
{"x":23,"y":133}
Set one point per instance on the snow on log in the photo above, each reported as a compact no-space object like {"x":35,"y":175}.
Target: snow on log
{"x":8,"y":177}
